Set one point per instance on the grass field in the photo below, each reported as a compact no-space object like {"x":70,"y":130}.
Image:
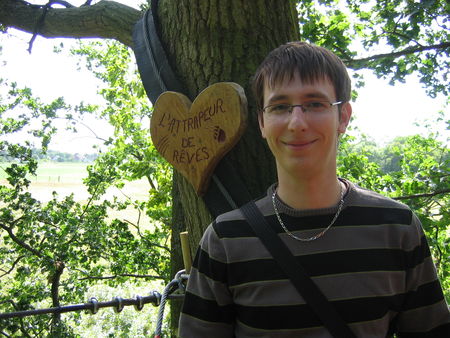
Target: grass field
{"x":55,"y":172}
{"x":67,"y":178}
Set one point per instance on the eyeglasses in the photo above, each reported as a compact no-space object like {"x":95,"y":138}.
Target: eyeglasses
{"x":311,"y":108}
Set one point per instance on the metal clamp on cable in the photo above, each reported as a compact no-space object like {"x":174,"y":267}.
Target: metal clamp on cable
{"x":157,"y":296}
{"x":179,"y":278}
{"x":139,"y":303}
{"x":94,"y":303}
{"x":119,"y":307}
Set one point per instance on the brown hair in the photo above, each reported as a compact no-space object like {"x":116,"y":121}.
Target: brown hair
{"x":308,"y":61}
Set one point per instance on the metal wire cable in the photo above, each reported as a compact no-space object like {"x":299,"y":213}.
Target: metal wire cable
{"x":175,"y":284}
{"x":93,"y":305}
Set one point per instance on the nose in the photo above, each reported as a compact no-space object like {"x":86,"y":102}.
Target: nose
{"x":297,"y":118}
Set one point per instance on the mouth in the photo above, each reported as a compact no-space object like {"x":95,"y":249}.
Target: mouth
{"x":298,"y":144}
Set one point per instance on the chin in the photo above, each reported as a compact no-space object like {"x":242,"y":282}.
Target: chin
{"x":298,"y":168}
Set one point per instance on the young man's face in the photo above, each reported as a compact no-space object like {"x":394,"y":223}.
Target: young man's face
{"x":303,"y":143}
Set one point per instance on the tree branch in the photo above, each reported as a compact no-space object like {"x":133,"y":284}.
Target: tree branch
{"x":106,"y":19}
{"x":41,"y":20}
{"x":361,"y":63}
{"x":431,"y":194}
{"x":5,"y":334}
{"x":23,"y":328}
{"x":20,"y":242}
{"x":121,"y":275}
{"x":12,"y":266}
{"x":403,"y":36}
{"x":89,"y":128}
{"x":54,"y":280}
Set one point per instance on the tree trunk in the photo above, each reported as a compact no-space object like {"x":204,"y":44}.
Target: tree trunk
{"x":213,"y":41}
{"x":176,"y":259}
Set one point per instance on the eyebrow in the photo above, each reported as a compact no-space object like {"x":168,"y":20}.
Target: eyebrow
{"x":277,"y":98}
{"x":318,"y":95}
{"x":283,"y":97}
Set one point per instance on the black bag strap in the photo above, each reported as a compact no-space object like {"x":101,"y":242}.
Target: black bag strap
{"x":294,"y":270}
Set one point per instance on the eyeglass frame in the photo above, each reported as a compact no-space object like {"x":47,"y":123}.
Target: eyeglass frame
{"x":301,"y":105}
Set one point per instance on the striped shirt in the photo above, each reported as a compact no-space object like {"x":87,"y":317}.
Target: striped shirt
{"x":374,"y":265}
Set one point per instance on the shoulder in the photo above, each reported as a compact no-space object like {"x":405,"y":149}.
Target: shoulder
{"x":228,"y":226}
{"x":233,"y":224}
{"x":363,"y":197}
{"x":369,"y":207}
{"x":263,"y":204}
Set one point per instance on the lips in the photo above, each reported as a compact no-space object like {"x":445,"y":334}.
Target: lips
{"x":298,"y":144}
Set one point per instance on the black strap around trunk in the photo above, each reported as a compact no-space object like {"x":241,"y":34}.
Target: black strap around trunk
{"x":294,"y":270}
{"x":226,"y":190}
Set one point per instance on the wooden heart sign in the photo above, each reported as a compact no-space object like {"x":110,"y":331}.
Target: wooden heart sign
{"x":193,"y":137}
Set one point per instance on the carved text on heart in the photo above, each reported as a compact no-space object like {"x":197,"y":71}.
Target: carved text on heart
{"x":175,"y":125}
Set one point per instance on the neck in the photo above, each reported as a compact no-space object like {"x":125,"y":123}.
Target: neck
{"x":310,"y":193}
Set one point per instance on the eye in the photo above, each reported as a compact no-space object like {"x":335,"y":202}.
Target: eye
{"x":315,"y":104}
{"x":278,"y":108}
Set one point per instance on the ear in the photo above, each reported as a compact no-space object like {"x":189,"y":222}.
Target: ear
{"x":261,"y":124}
{"x":346,"y":114}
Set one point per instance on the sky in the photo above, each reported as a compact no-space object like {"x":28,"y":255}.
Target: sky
{"x":381,"y":111}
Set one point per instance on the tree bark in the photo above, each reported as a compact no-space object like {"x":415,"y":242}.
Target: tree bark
{"x":106,"y":19}
{"x":213,"y":41}
{"x":176,"y":258}
{"x":54,"y":280}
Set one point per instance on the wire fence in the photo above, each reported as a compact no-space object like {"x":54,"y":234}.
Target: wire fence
{"x":118,"y":303}
{"x":93,"y":306}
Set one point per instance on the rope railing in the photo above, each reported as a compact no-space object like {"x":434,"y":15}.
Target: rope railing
{"x":118,"y":303}
{"x":93,"y":305}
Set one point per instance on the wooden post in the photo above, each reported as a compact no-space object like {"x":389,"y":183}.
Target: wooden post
{"x":187,"y":259}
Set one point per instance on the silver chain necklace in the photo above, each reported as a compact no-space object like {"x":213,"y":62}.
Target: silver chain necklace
{"x":320,"y":234}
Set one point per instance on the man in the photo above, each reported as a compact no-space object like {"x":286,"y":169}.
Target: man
{"x":366,"y":253}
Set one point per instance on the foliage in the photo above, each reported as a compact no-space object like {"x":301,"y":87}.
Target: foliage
{"x":411,"y":36}
{"x":416,"y":171}
{"x":131,"y":155}
{"x":65,"y":244}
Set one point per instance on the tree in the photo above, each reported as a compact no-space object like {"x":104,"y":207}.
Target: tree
{"x":212,"y":41}
{"x":207,"y":42}
{"x":52,"y":252}
{"x":415,"y":171}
